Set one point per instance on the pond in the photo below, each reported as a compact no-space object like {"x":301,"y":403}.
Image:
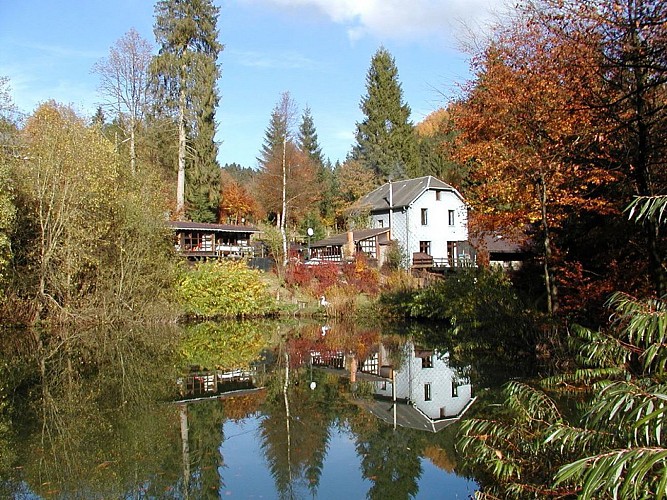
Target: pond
{"x":240,"y":410}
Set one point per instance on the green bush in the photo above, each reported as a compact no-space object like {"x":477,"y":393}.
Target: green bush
{"x":228,"y":345}
{"x":224,"y":289}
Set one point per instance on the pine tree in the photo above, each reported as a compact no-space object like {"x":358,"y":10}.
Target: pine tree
{"x":276,"y":134}
{"x":307,"y":138}
{"x":308,"y":143}
{"x":186,"y":70}
{"x":385,"y":138}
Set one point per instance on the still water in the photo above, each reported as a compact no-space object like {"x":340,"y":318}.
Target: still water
{"x":234,"y":410}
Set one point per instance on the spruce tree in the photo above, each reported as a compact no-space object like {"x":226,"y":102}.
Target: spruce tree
{"x":385,"y":138}
{"x":307,"y":142}
{"x":276,"y":134}
{"x":307,"y":138}
{"x":186,"y":70}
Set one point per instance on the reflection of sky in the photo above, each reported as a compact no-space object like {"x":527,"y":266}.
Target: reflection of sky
{"x":245,"y":473}
{"x":242,"y":460}
{"x":437,"y":484}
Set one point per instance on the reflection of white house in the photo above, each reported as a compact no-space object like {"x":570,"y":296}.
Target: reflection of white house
{"x":428,"y":383}
{"x":428,"y":217}
{"x":424,"y":394}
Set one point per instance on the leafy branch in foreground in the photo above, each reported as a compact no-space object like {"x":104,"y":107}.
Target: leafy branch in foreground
{"x":616,"y":448}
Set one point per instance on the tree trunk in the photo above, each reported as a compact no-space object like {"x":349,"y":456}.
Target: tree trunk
{"x":549,"y":282}
{"x":180,"y":188}
{"x":133,"y":150}
{"x":283,"y":224}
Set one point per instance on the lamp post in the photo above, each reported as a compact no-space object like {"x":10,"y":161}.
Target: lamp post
{"x":310,"y":233}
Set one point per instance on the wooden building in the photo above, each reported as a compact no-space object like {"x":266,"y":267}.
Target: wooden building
{"x":198,"y":240}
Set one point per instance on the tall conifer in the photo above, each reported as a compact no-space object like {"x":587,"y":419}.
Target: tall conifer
{"x":186,"y":70}
{"x":385,"y":138}
{"x":307,"y":138}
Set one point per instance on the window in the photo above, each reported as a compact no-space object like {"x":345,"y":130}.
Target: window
{"x":437,"y":195}
{"x":455,"y":389}
{"x":450,"y":216}
{"x":425,"y":247}
{"x":381,"y":223}
{"x":424,"y":216}
{"x":427,"y":392}
{"x":427,"y":362}
{"x":368,"y":247}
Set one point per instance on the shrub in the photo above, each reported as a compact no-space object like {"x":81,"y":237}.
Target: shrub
{"x":359,"y":275}
{"x":224,"y":289}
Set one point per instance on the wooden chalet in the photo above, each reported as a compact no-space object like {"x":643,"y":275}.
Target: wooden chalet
{"x":198,"y":240}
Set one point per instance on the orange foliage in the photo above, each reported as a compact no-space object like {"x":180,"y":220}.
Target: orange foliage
{"x":302,"y":190}
{"x":236,"y":203}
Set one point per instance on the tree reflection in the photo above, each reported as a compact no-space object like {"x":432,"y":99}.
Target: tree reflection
{"x":296,"y":431}
{"x":97,"y":425}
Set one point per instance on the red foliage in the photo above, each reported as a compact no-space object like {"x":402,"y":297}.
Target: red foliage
{"x":320,"y":278}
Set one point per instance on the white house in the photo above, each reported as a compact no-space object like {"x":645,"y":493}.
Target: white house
{"x":428,"y":218}
{"x":427,"y":382}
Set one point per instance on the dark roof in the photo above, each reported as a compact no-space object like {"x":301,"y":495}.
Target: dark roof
{"x":341,"y":239}
{"x":403,"y":193}
{"x":510,"y":242}
{"x":407,"y":415}
{"x":202,"y":226}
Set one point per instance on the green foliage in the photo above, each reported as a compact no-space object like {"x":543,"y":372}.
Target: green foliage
{"x":386,"y":142}
{"x":397,"y":258}
{"x":276,"y":134}
{"x":223,"y":289}
{"x":648,"y":207}
{"x":475,"y":299}
{"x":307,"y":138}
{"x":616,"y":448}
{"x":7,"y":221}
{"x":92,"y":244}
{"x":185,"y":72}
{"x":227,"y":346}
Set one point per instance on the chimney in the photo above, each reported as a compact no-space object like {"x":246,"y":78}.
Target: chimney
{"x":349,"y":246}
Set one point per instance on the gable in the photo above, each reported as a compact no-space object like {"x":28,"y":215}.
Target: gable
{"x":403,"y":193}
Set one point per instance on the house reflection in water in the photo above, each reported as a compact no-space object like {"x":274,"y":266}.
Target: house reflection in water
{"x":214,"y":383}
{"x":424,"y":393}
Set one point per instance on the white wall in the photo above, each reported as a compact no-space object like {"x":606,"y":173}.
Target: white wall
{"x":410,"y":381}
{"x":409,"y":231}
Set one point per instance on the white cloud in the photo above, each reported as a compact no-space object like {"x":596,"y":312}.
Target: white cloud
{"x":284,"y":60}
{"x":404,"y":19}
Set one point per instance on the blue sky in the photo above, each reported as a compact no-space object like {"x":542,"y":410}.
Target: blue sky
{"x":318,"y":50}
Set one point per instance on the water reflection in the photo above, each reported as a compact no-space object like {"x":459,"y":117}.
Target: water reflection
{"x":292,"y":414}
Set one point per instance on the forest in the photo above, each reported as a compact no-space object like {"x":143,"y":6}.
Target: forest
{"x":559,"y":137}
{"x":561,"y":128}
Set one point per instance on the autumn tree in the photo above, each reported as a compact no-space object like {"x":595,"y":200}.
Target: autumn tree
{"x":236,"y":203}
{"x":286,"y":183}
{"x":625,"y":87}
{"x":8,"y":150}
{"x":352,"y":181}
{"x":186,"y":71}
{"x":521,"y":130}
{"x":125,"y":85}
{"x":385,"y":141}
{"x":97,"y":246}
